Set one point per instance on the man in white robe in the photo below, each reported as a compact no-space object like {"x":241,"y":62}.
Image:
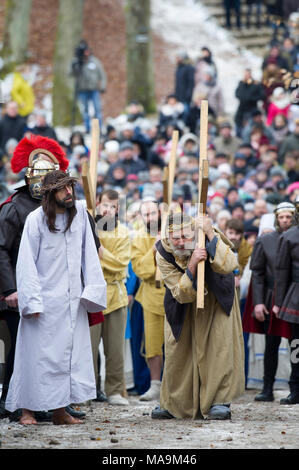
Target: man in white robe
{"x":59,"y":280}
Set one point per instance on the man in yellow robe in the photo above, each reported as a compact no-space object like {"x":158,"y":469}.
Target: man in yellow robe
{"x":204,"y":352}
{"x":148,"y":295}
{"x":114,"y":256}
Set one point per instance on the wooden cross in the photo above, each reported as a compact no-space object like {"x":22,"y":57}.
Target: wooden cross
{"x":165,"y":199}
{"x":203,"y":184}
{"x":89,"y":170}
{"x":168,"y":180}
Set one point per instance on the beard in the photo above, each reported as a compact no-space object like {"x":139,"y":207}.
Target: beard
{"x":153,"y":227}
{"x":66,"y":203}
{"x":106,"y":222}
{"x":180,"y":253}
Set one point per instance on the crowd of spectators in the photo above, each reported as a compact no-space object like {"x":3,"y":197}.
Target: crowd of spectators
{"x":253,"y":155}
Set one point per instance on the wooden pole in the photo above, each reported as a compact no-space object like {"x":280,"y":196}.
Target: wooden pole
{"x":90,"y":171}
{"x":163,"y":217}
{"x":172,"y":165}
{"x":168,"y":179}
{"x":203,"y":183}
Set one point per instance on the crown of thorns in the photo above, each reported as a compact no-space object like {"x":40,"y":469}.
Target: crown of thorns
{"x":58,"y":184}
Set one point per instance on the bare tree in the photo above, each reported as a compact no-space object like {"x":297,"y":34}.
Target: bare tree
{"x":140,"y":77}
{"x":69,"y":29}
{"x":16,"y":32}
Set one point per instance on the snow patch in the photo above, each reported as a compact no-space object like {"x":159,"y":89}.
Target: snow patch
{"x":189,"y":26}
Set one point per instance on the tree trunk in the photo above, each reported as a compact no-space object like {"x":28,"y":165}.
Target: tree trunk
{"x":16,"y":33}
{"x":140,"y":77}
{"x":69,"y":29}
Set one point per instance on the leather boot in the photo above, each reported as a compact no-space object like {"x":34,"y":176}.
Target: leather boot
{"x":100,"y":394}
{"x":291,"y":399}
{"x":3,"y":412}
{"x":266,"y":394}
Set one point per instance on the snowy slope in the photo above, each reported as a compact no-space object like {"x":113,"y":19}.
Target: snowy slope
{"x":187,"y":25}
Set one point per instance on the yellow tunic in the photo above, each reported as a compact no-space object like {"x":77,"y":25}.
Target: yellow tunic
{"x":244,"y":253}
{"x":144,"y":266}
{"x":206,"y":365}
{"x":116,"y":257}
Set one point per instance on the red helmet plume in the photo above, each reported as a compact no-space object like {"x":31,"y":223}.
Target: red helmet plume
{"x":27,"y":145}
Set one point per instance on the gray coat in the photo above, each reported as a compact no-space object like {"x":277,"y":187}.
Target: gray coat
{"x":91,"y":75}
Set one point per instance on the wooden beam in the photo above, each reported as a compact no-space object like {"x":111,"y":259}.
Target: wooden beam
{"x":90,"y":170}
{"x":168,"y":179}
{"x":203,"y":184}
{"x":165,"y":183}
{"x":87,"y":185}
{"x":164,"y":211}
{"x":172,"y":164}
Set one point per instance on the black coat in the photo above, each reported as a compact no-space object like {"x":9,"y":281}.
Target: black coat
{"x":287,"y":275}
{"x":262,"y":265}
{"x":11,"y":128}
{"x":248,"y":95}
{"x":288,"y":7}
{"x":13,"y":215}
{"x":45,"y":131}
{"x":184,"y":82}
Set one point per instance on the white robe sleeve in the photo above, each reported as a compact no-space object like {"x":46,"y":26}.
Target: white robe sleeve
{"x":94,"y":295}
{"x":28,"y":285}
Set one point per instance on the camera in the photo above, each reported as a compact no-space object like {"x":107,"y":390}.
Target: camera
{"x":80,"y":50}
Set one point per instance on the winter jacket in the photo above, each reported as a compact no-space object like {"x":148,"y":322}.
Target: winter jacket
{"x":11,"y":127}
{"x":290,"y":143}
{"x":228,"y":146}
{"x":184,"y":82}
{"x":91,"y":75}
{"x":248,"y":128}
{"x":274,"y":110}
{"x":45,"y":131}
{"x":248,"y":94}
{"x":13,"y":215}
{"x":22,"y":94}
{"x":213,"y":94}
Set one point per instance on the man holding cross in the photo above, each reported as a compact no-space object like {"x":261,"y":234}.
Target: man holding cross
{"x":204,"y":357}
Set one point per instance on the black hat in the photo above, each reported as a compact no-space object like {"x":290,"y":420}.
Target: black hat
{"x":222,"y":155}
{"x":281,"y":185}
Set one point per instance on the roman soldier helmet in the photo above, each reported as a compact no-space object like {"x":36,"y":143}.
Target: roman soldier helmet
{"x":39,"y":155}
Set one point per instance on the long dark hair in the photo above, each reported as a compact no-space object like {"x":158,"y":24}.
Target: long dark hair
{"x":49,"y":203}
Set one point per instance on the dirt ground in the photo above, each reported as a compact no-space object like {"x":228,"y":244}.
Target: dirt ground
{"x":253,"y":426}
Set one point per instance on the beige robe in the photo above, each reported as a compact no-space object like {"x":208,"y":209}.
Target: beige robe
{"x":206,"y":365}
